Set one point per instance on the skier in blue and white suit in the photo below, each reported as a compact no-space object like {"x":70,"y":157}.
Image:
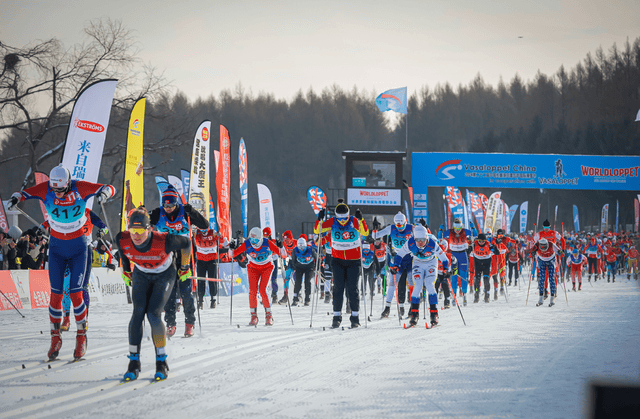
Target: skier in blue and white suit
{"x":398,"y":234}
{"x":459,"y":239}
{"x":424,"y":249}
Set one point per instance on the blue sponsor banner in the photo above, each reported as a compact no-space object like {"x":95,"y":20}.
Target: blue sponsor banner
{"x":546,"y":171}
{"x":536,"y":171}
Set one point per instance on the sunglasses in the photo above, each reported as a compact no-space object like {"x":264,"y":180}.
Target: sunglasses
{"x":169,"y":205}
{"x":59,"y":190}
{"x":137,"y":230}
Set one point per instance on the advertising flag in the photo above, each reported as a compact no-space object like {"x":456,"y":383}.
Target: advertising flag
{"x":406,"y":209}
{"x":317,"y":198}
{"x":176,"y":182}
{"x":41,"y":178}
{"x":393,"y":100}
{"x":524,"y":209}
{"x":212,"y":215}
{"x":636,"y":205}
{"x":223,"y":184}
{"x":576,"y":219}
{"x":4,"y":221}
{"x":491,"y":212}
{"x":456,"y":203}
{"x":266,"y":209}
{"x":555,"y":217}
{"x":512,"y":215}
{"x":87,"y":132}
{"x":244,"y":186}
{"x":476,"y":209}
{"x":605,"y":218}
{"x":199,"y":173}
{"x":617,"y":211}
{"x":538,"y":216}
{"x":133,"y":185}
{"x":185,"y":176}
{"x":162,"y":185}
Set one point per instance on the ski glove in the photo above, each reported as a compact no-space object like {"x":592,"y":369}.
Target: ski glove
{"x":15,"y":198}
{"x":321,"y":214}
{"x":102,"y":197}
{"x":184,"y":272}
{"x":232,"y":244}
{"x":279,"y":243}
{"x":103,"y":232}
{"x":423,"y":222}
{"x":111,"y":266}
{"x":359,"y":214}
{"x":127,"y":277}
{"x":393,"y":270}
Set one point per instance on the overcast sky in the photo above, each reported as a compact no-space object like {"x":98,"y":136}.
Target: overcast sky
{"x":282,"y":47}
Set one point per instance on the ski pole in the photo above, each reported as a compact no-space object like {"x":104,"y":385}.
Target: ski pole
{"x":530,"y":279}
{"x":456,"y":300}
{"x":106,"y":221}
{"x":231,"y":302}
{"x":317,"y":273}
{"x":16,"y":308}
{"x":286,"y":291}
{"x":364,"y":300}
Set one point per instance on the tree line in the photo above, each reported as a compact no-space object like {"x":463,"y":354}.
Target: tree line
{"x":291,"y":145}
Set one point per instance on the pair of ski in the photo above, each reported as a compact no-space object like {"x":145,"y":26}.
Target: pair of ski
{"x":154,"y":379}
{"x":426,"y":325}
{"x":73,"y":361}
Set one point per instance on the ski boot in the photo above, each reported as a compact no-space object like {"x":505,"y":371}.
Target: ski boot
{"x":501,"y":291}
{"x":307,"y":301}
{"x":134,"y":368}
{"x":66,"y":323}
{"x":509,"y":283}
{"x":580,"y":286}
{"x":188,"y":330}
{"x":446,"y":305}
{"x":495,"y":295}
{"x":254,"y":317}
{"x":171,"y":330}
{"x":613,"y":279}
{"x":268,"y":319}
{"x":327,"y":298}
{"x":540,"y":301}
{"x":162,"y":369}
{"x":487,"y":296}
{"x":464,"y":300}
{"x":551,"y":300}
{"x":401,"y":311}
{"x":284,"y":299}
{"x":385,"y":313}
{"x":433,"y":311}
{"x":574,"y":287}
{"x":81,"y":341}
{"x":56,"y":342}
{"x":629,"y":277}
{"x":274,"y":298}
{"x":295,"y":302}
{"x":414,"y":314}
{"x":608,"y":278}
{"x":453,"y":302}
{"x":476,"y":297}
{"x":515,"y":283}
{"x":355,"y":321}
{"x":213,"y":304}
{"x":336,"y":322}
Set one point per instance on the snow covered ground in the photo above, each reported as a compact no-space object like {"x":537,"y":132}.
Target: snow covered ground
{"x":510,"y":361}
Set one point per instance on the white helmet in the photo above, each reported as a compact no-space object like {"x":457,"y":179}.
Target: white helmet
{"x":457,"y":224}
{"x":302,"y":243}
{"x":543,"y":243}
{"x":59,"y":179}
{"x":420,"y":233}
{"x":401,"y":220}
{"x":255,"y":237}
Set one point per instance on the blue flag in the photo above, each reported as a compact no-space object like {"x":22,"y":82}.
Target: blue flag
{"x":393,"y":100}
{"x":576,"y":219}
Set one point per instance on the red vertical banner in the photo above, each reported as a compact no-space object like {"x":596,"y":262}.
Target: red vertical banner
{"x":223,"y":183}
{"x":41,"y":178}
{"x":637,"y":214}
{"x":39,"y":288}
{"x":4,"y":222}
{"x":9,"y":289}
